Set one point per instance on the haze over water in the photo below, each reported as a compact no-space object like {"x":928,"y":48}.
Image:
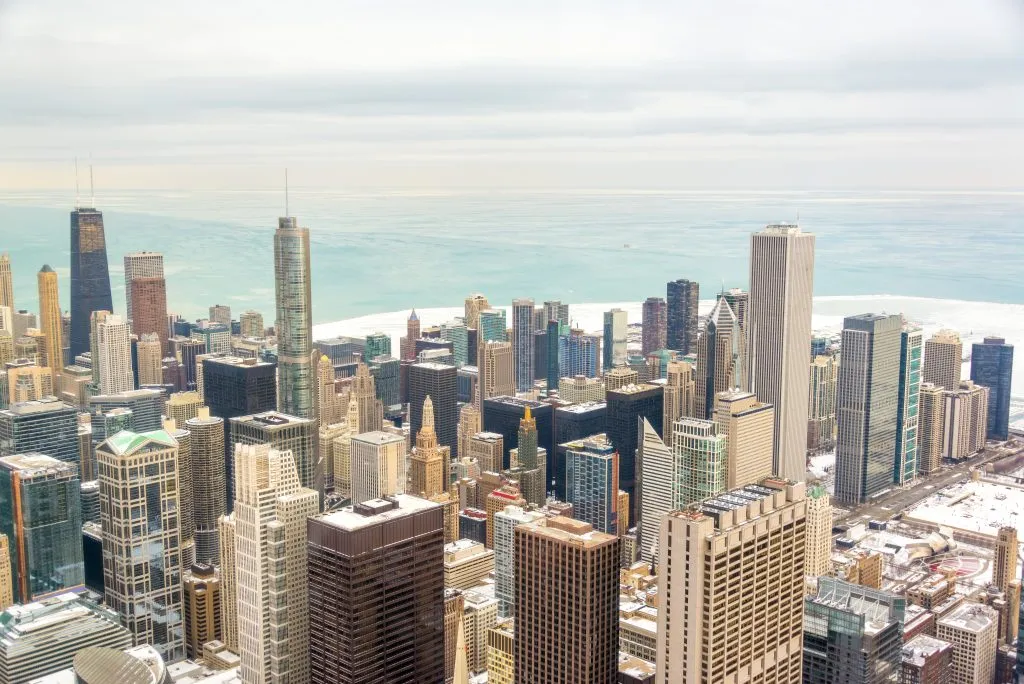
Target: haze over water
{"x":377,"y":252}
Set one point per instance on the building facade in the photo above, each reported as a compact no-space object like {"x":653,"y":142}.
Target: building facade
{"x":992,"y":367}
{"x":683,"y":298}
{"x":615,"y":328}
{"x":294,"y":326}
{"x":90,"y":275}
{"x":523,"y":343}
{"x":592,"y":483}
{"x":699,"y":455}
{"x":654,"y":316}
{"x":943,"y":354}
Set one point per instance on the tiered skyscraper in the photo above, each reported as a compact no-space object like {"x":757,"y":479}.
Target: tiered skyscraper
{"x":778,"y":334}
{"x":90,"y":276}
{"x":149,"y":302}
{"x":719,"y":358}
{"x":294,"y":319}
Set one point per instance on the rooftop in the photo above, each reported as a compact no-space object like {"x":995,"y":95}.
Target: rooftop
{"x":921,"y":647}
{"x":568,"y":530}
{"x":236,"y":361}
{"x":377,"y":438}
{"x":22,"y":619}
{"x":515,"y":401}
{"x":584,"y":407}
{"x":349,"y":519}
{"x":272,"y":419}
{"x":431,"y":365}
{"x":980,"y":507}
{"x":634,"y":388}
{"x":971,"y":617}
{"x":126,"y":442}
{"x":34,"y":464}
{"x":43,"y":405}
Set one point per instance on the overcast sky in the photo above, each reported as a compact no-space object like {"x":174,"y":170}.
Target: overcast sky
{"x":440,"y":94}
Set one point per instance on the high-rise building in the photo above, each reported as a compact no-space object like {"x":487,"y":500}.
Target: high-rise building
{"x":505,"y":521}
{"x":964,"y":421}
{"x":992,"y":367}
{"x":747,"y":425}
{"x":50,"y":318}
{"x":113,"y":359}
{"x":215,"y":336}
{"x":378,"y":466}
{"x":654,"y":314}
{"x":522,"y":343}
{"x":271,"y":508}
{"x":973,"y":629}
{"x":497,"y":499}
{"x":364,"y":390}
{"x":615,"y":328}
{"x":437,"y":381}
{"x":704,"y":582}
{"x":146,"y":406}
{"x":6,"y":282}
{"x":778,"y":332}
{"x":149,"y":360}
{"x":90,"y":276}
{"x":852,"y":634}
{"x":700,"y":456}
{"x":719,"y":350}
{"x":386,"y":374}
{"x":475,"y":303}
{"x":566,"y":637}
{"x":929,"y":428}
{"x":580,"y":389}
{"x":140,"y":265}
{"x":284,"y":433}
{"x":251,"y":324}
{"x":530,"y":461}
{"x":942,"y":359}
{"x":412,"y":333}
{"x":625,"y":407}
{"x":739,"y":302}
{"x":1004,"y":569}
{"x":683,"y":299}
{"x":234,"y":387}
{"x":655,"y":487}
{"x":138,"y":475}
{"x":377,"y":344}
{"x":908,"y":407}
{"x":149,"y":308}
{"x":202,"y":600}
{"x":21,"y":322}
{"x":40,"y":512}
{"x":818,"y":553}
{"x":456,"y":332}
{"x":926,"y":660}
{"x":6,"y":575}
{"x":500,"y":659}
{"x":821,"y":402}
{"x":220,"y":313}
{"x":680,"y":395}
{"x":504,"y":415}
{"x":493,"y":326}
{"x":428,"y":470}
{"x":47,"y":426}
{"x":592,"y":483}
{"x":866,"y":406}
{"x":467,"y":563}
{"x":228,"y":566}
{"x":579,"y":354}
{"x":28,"y":383}
{"x":209,"y":485}
{"x":41,"y":638}
{"x":294,"y":326}
{"x":497,"y":377}
{"x":376,"y":593}
{"x":183,"y":406}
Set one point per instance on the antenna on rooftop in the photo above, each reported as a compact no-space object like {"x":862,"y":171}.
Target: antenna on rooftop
{"x":78,"y":202}
{"x":92,"y":188}
{"x":286,"y":193}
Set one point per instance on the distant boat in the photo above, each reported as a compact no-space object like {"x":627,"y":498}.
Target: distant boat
{"x":626,"y":246}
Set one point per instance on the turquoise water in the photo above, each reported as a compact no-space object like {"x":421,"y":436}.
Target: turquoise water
{"x":384,"y":252}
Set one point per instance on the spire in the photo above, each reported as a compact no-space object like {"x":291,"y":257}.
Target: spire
{"x":428,"y":415}
{"x":413,"y":316}
{"x":528,"y":415}
{"x":461,"y":664}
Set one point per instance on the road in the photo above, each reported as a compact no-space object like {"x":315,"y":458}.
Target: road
{"x":900,"y":499}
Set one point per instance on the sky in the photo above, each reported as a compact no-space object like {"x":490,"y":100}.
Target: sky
{"x":673,"y":94}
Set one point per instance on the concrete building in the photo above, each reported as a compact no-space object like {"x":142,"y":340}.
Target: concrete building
{"x":592,"y":483}
{"x":866,"y":407}
{"x":363,"y":390}
{"x":821,"y":402}
{"x":929,"y":428}
{"x":376,"y":593}
{"x":251,"y":324}
{"x":228,"y":566}
{"x":90,"y":275}
{"x":680,"y":394}
{"x":706,"y":580}
{"x":183,"y":406}
{"x":50,"y":319}
{"x":747,"y":425}
{"x":271,"y":509}
{"x":699,"y":455}
{"x":149,"y":308}
{"x":138,"y":476}
{"x":429,"y":464}
{"x":654,"y":317}
{"x":500,"y":657}
{"x":579,"y":354}
{"x":488,"y":450}
{"x":497,"y":500}
{"x":655,"y":488}
{"x":209,"y":485}
{"x":39,"y":638}
{"x":202,"y":599}
{"x":150,"y":360}
{"x":908,"y":409}
{"x":29,"y":383}
{"x":973,"y":629}
{"x":475,"y":303}
{"x":852,"y":634}
{"x":294,"y":326}
{"x":778,"y":330}
{"x":992,"y":367}
{"x":466,"y":564}
{"x":545,"y":614}
{"x":580,"y":389}
{"x":818,"y":548}
{"x":140,"y":265}
{"x":6,"y":576}
{"x":926,"y":660}
{"x":6,"y":282}
{"x":683,"y":299}
{"x":480,"y":615}
{"x":1004,"y":566}
{"x":719,"y":352}
{"x":614,"y":350}
{"x":378,"y":466}
{"x":964,"y":421}
{"x":943,"y":354}
{"x":505,"y":521}
{"x":40,"y":514}
{"x":497,"y":378}
{"x":528,"y":461}
{"x":113,"y":359}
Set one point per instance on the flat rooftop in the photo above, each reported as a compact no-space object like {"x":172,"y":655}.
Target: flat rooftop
{"x":348,"y":519}
{"x":272,"y":419}
{"x":971,"y":617}
{"x":34,"y":464}
{"x":921,"y":647}
{"x":377,"y":438}
{"x":569,"y":530}
{"x":584,"y":407}
{"x":980,"y":507}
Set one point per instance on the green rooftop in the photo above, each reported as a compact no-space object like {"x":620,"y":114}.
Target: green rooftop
{"x":127,"y":442}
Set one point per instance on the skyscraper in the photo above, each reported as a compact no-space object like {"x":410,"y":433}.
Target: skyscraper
{"x":50,"y":318}
{"x":138,"y":475}
{"x":866,"y":407}
{"x":778,"y":333}
{"x":821,"y":402}
{"x":149,"y":360}
{"x":522,"y":343}
{"x":90,"y":277}
{"x":428,"y":476}
{"x":438,"y":381}
{"x":908,"y":406}
{"x":6,"y":576}
{"x":493,"y":326}
{"x":412,"y":333}
{"x":992,"y":366}
{"x":378,"y":466}
{"x":377,"y":344}
{"x":818,"y":549}
{"x":6,"y":282}
{"x":758,"y":583}
{"x":140,"y":265}
{"x":552,"y":340}
{"x":973,"y":630}
{"x":149,"y":308}
{"x":699,"y":454}
{"x":579,"y":354}
{"x":220,"y":313}
{"x":1004,"y":569}
{"x":364,"y":390}
{"x":475,"y":303}
{"x":505,"y":521}
{"x":680,"y":395}
{"x":614,"y":339}
{"x":271,"y":509}
{"x":654,"y":325}
{"x":114,"y":355}
{"x":294,"y":325}
{"x":592,"y":483}
{"x":747,"y":425}
{"x":654,"y":489}
{"x":683,"y":298}
{"x":228,"y":565}
{"x":929,"y":428}
{"x":719,"y":350}
{"x":942,"y":360}
{"x":566,"y":637}
{"x":250,"y":324}
{"x":376,"y":593}
{"x":202,"y":599}
{"x":284,"y":433}
{"x":41,"y":516}
{"x":531,"y":462}
{"x":739,"y":302}
{"x":47,"y":426}
{"x":625,"y":407}
{"x":965,"y":418}
{"x":329,"y":405}
{"x":209,"y":486}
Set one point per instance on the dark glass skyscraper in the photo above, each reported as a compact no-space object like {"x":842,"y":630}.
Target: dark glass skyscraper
{"x":294,"y":323}
{"x":90,"y":275}
{"x":437,"y":381}
{"x":992,"y":367}
{"x":683,"y":296}
{"x":551,"y":341}
{"x":625,"y":407}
